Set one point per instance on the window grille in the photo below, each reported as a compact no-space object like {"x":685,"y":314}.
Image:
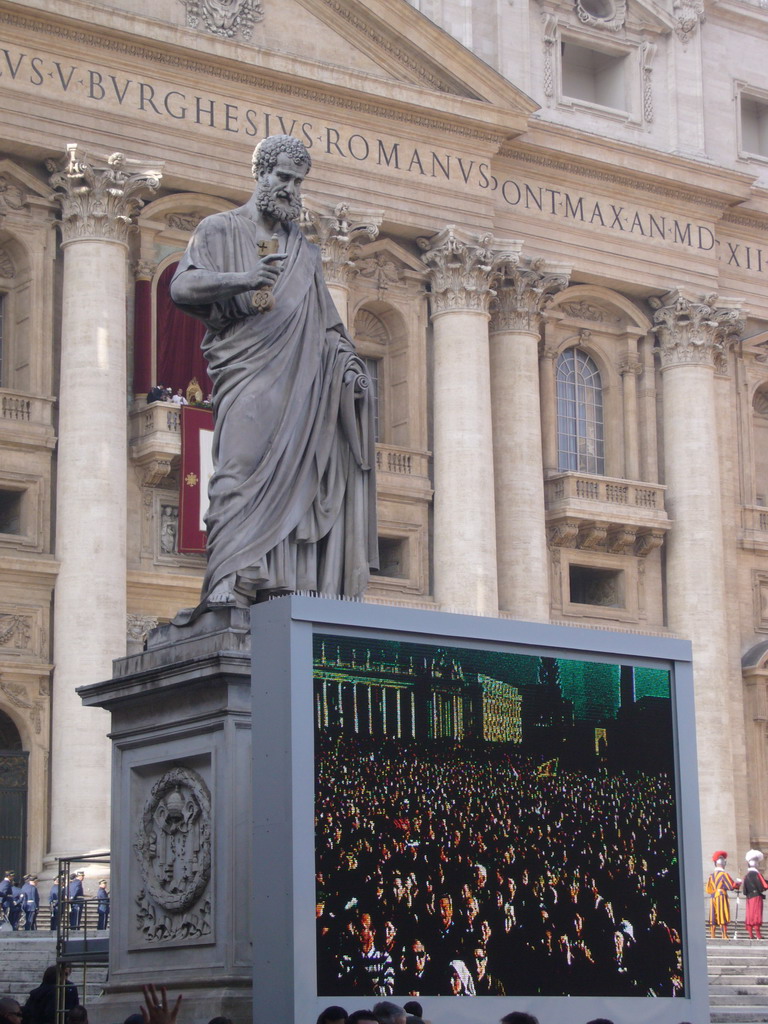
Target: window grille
{"x":579,"y":414}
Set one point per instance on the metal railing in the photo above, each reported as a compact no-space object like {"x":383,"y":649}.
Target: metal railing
{"x":78,"y":943}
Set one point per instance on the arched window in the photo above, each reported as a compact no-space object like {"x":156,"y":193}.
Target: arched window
{"x":579,"y":414}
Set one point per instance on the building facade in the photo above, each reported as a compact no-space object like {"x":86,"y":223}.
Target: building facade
{"x":545,"y":226}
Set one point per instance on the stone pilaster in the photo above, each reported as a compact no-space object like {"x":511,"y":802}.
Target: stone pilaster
{"x":339,"y":234}
{"x":630,"y":369}
{"x":524,"y":287}
{"x":97,"y":202}
{"x":461,"y":269}
{"x":687,"y":71}
{"x":690,"y":335}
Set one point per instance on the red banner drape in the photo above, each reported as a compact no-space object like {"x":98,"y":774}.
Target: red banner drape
{"x":179,"y":358}
{"x":196,"y":465}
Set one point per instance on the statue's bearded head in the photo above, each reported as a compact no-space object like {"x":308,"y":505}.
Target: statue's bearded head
{"x":273,"y":197}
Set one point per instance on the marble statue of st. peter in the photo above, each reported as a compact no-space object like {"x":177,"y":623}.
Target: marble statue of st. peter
{"x":292,"y":498}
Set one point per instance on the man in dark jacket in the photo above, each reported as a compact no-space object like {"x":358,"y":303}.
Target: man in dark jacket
{"x":102,"y":904}
{"x":30,"y":902}
{"x":76,"y":901}
{"x":53,"y":903}
{"x":6,"y":896}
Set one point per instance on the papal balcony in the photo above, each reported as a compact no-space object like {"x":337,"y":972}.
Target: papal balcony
{"x":155,"y":439}
{"x":605,"y":514}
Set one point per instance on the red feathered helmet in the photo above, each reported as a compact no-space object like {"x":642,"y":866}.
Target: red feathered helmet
{"x":718,"y":854}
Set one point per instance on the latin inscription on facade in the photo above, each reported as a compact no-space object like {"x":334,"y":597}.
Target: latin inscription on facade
{"x":105,"y":88}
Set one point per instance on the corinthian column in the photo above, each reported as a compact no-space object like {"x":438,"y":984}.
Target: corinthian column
{"x":691,"y":335}
{"x":524,"y":288}
{"x":339,"y":234}
{"x":465,"y":521}
{"x":97,"y":204}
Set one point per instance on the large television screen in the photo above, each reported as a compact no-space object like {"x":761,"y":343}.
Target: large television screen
{"x":493,"y":823}
{"x":464,"y":807}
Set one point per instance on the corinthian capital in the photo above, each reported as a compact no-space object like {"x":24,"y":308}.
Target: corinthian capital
{"x":461,"y":269}
{"x":688,"y":15}
{"x":98,"y":202}
{"x":524,"y":289}
{"x":339,"y":234}
{"x":695,"y":332}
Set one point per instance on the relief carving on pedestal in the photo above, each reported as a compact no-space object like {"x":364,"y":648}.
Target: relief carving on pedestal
{"x":173,"y":847}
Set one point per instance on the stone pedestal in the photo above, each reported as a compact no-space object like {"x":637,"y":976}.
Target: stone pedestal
{"x":181,"y":820}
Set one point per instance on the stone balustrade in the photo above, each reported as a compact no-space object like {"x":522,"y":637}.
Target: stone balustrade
{"x":155,"y":437}
{"x":581,"y":491}
{"x":605,"y":513}
{"x":18,"y":407}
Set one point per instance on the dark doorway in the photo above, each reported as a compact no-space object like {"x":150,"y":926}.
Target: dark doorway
{"x":14,"y":774}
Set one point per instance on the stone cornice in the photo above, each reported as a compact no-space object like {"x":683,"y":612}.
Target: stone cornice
{"x":564,"y":150}
{"x":754,"y":221}
{"x":98,"y":203}
{"x":739,"y":11}
{"x":691,"y":331}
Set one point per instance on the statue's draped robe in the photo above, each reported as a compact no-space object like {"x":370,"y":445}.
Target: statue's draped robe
{"x":292,"y":503}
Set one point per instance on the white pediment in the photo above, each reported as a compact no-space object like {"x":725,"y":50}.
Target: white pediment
{"x":18,"y":187}
{"x":326,"y":44}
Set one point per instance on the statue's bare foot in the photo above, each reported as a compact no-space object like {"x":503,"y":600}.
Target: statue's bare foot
{"x":223,"y":594}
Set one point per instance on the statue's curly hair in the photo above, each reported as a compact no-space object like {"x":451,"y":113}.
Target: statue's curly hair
{"x":268,"y":150}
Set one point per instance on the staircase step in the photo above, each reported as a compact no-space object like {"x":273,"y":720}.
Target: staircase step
{"x":24,"y":957}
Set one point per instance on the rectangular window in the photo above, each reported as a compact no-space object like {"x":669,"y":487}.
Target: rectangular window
{"x":393,"y":557}
{"x":754,"y":125}
{"x":601,"y":587}
{"x":10,"y":511}
{"x":594,"y":76}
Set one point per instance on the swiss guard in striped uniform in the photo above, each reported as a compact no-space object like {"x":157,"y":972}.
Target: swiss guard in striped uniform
{"x":719,"y":884}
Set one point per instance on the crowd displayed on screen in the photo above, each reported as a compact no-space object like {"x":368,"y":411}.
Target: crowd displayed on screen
{"x":448,"y":870}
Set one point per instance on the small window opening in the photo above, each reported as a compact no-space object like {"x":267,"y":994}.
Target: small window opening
{"x":754,"y":126}
{"x":392,"y":557}
{"x":600,"y":587}
{"x":594,"y":76}
{"x":10,"y":511}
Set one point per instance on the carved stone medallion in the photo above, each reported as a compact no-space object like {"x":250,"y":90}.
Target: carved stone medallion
{"x":609,"y":14}
{"x":173,"y":846}
{"x":227,"y":18}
